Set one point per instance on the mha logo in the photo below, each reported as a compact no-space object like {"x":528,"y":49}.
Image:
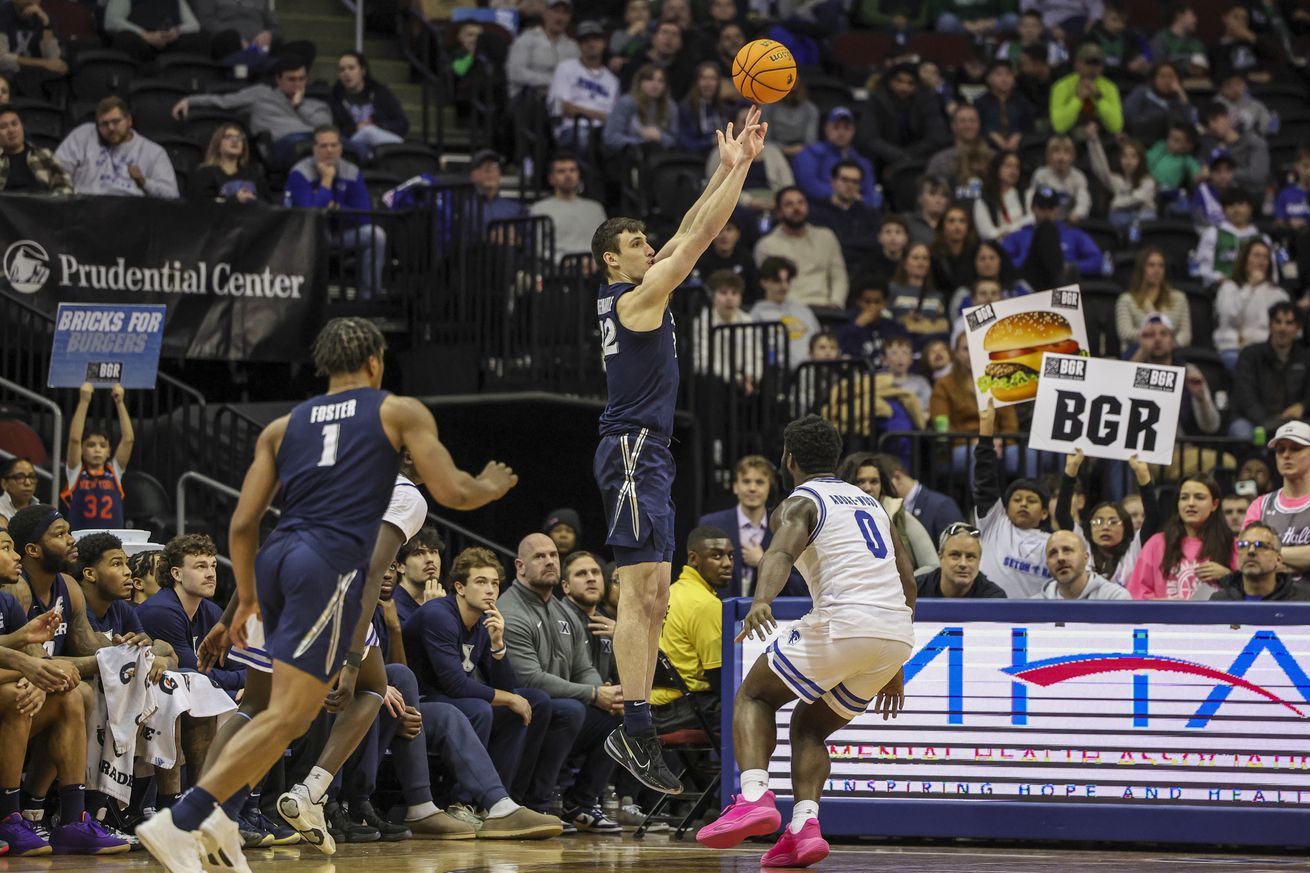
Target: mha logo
{"x":27,"y":266}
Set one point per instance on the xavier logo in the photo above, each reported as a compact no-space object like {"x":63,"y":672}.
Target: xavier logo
{"x":27,"y":266}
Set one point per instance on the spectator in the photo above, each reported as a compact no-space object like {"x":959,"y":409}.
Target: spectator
{"x":29,"y":47}
{"x":702,"y":112}
{"x":646,"y":114}
{"x":936,"y":511}
{"x":898,"y":356}
{"x":1216,"y":250}
{"x":744,"y":365}
{"x":986,"y":19}
{"x":722,"y":43}
{"x":915,"y":301}
{"x":955,"y":401}
{"x":862,"y":469}
{"x":1234,"y":507}
{"x":1283,"y":508}
{"x":866,"y":335}
{"x":1149,"y":292}
{"x":1239,"y":50}
{"x":632,"y":38}
{"x":419,"y":581}
{"x":1004,"y":114}
{"x":933,"y":197}
{"x":1178,"y":43}
{"x":546,"y":654}
{"x":473,"y":71}
{"x":1067,"y":561}
{"x":1013,"y":542}
{"x":893,"y":239}
{"x":325,"y":181}
{"x":820,"y":278}
{"x":564,"y":527}
{"x":667,"y":52}
{"x":582,"y":90}
{"x":106,"y":584}
{"x":583,"y":586}
{"x":965,"y":162}
{"x":824,"y":347}
{"x":108,"y":157}
{"x":1001,"y":209}
{"x":237,"y":25}
{"x":901,"y":120}
{"x":1208,"y":196}
{"x":146,"y":29}
{"x":793,"y":121}
{"x":1036,"y":75}
{"x":94,"y":490}
{"x":1271,"y":382}
{"x":1131,"y":186}
{"x":1032,"y":37}
{"x":747,"y":523}
{"x":1066,"y":19}
{"x":851,"y":218}
{"x":1292,"y":208}
{"x":1122,"y":45}
{"x":18,"y":479}
{"x":982,"y":291}
{"x":486,"y":172}
{"x":1075,"y":248}
{"x":573,"y":217}
{"x":1156,"y":345}
{"x":538,"y":51}
{"x":1244,"y":303}
{"x":1194,"y":552}
{"x":1172,"y":162}
{"x":1086,"y":95}
{"x":1114,"y":541}
{"x":1256,"y":471}
{"x":24,"y":168}
{"x":1157,"y":105}
{"x":365,"y":109}
{"x":1067,"y":181}
{"x":1247,"y":112}
{"x":692,"y":635}
{"x":282,"y":111}
{"x":815,"y":164}
{"x":145,"y":574}
{"x":1248,"y":149}
{"x":953,"y":249}
{"x":227,"y":173}
{"x":770,"y":173}
{"x":936,"y":360}
{"x":727,"y":252}
{"x":959,"y":574}
{"x":993,"y":264}
{"x":1259,"y":575}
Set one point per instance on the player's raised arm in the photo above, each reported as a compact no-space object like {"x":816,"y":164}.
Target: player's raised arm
{"x":257,"y":491}
{"x":450,"y":485}
{"x":793,"y":522}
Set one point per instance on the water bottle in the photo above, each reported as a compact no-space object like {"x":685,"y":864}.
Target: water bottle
{"x":1259,"y":435}
{"x":1281,"y":257}
{"x":1107,"y":264}
{"x":1267,"y":208}
{"x":1135,"y":231}
{"x":1193,"y":264}
{"x":941,"y":423}
{"x":877,"y":197}
{"x":766,"y":222}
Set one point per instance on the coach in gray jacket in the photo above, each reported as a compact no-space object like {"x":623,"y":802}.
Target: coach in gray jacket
{"x":546,"y":653}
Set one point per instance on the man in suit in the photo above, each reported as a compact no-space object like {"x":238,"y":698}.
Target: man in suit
{"x":934,"y":510}
{"x":747,"y":526}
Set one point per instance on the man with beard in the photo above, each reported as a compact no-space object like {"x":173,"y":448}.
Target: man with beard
{"x":820,"y":278}
{"x":420,"y":572}
{"x":571,"y":214}
{"x":960,"y":550}
{"x":584,"y":588}
{"x":546,"y":653}
{"x":1261,"y":575}
{"x":42,"y":537}
{"x":692,"y":636}
{"x":1066,"y":560}
{"x":109,"y":157}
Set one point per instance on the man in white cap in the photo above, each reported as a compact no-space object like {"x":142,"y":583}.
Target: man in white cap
{"x":1287,"y":510}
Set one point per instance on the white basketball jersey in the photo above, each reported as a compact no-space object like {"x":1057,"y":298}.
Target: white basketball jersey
{"x":850,"y":564}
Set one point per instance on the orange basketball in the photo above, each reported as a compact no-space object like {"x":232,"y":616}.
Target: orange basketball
{"x":764,"y":71}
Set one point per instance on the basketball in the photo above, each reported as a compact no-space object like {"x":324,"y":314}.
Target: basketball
{"x":764,"y":71}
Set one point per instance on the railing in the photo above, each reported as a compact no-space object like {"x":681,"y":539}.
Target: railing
{"x":56,"y":449}
{"x":420,"y":43}
{"x":213,"y":485}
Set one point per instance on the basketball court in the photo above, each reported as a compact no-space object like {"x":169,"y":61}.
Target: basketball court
{"x":658,"y":854}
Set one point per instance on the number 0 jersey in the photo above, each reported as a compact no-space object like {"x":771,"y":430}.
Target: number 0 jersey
{"x":850,"y":564}
{"x":641,"y":369}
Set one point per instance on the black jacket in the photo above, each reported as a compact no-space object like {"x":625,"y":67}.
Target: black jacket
{"x":1230,"y":588}
{"x":387,"y":111}
{"x":1263,"y":386}
{"x":892,"y":130}
{"x":930,"y":585}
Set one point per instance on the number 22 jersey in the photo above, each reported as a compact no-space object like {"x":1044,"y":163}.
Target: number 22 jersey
{"x":850,"y":565}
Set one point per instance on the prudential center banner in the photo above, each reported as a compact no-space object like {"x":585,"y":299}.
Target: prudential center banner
{"x":241,"y":282}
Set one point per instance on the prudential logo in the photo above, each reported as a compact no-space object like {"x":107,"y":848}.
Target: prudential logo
{"x":27,"y":266}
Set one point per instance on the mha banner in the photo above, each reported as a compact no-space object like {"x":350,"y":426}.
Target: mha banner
{"x":240,"y":282}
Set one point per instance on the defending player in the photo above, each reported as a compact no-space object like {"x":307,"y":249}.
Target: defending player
{"x":849,"y":647}
{"x":633,"y":466}
{"x":335,"y":457}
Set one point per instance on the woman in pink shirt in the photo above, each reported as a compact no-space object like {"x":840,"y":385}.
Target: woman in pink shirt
{"x":1193,"y":552}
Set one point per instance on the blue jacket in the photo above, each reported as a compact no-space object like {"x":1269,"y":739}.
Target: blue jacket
{"x":935,"y":511}
{"x":726,"y":520}
{"x":163,"y":617}
{"x":813,"y":171}
{"x":1077,"y":247}
{"x":450,"y":659}
{"x":347,"y":191}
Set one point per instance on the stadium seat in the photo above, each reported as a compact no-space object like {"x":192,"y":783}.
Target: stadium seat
{"x":674,"y":181}
{"x":1208,"y":362}
{"x":1201,"y":307}
{"x":146,"y":505}
{"x":1176,"y":237}
{"x":98,"y":73}
{"x":18,"y":439}
{"x":379,"y":182}
{"x":73,"y":21}
{"x":1295,"y":126}
{"x":406,"y":159}
{"x":1286,"y":96}
{"x":191,"y":72}
{"x":200,"y":124}
{"x":943,"y":49}
{"x":152,"y":102}
{"x":185,"y":154}
{"x":40,"y":117}
{"x":1032,"y":151}
{"x":828,"y":93}
{"x":1102,"y":232}
{"x":859,"y":51}
{"x":1099,"y":298}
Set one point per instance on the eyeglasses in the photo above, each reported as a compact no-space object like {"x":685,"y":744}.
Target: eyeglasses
{"x":1112,"y":521}
{"x":1258,"y":545}
{"x":22,"y":477}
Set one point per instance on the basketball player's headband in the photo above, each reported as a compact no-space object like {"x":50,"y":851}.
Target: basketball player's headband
{"x":48,"y":518}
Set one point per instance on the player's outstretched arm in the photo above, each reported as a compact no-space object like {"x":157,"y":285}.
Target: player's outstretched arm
{"x":450,"y":485}
{"x":257,"y":492}
{"x":793,"y":522}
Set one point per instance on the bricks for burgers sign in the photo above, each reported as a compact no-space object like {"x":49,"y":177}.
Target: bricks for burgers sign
{"x":1008,"y":338}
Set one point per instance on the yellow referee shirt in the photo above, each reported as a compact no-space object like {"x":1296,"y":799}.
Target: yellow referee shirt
{"x":692,"y":635}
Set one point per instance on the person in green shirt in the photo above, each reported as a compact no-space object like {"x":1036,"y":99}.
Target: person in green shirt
{"x":1085,"y":95}
{"x":1178,"y":43}
{"x":1171,"y":160}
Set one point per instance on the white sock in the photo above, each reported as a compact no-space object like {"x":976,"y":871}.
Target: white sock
{"x":421,"y":810}
{"x":503,"y":807}
{"x":317,"y":782}
{"x":753,"y":784}
{"x":803,"y":811}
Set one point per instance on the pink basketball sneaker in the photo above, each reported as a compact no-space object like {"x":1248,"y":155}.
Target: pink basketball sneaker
{"x":797,"y":850}
{"x":740,"y":820}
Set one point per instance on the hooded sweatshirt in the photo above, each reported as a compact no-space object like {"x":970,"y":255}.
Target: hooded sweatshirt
{"x":1097,"y":588}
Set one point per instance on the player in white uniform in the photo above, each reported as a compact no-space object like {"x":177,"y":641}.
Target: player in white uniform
{"x":847,"y":651}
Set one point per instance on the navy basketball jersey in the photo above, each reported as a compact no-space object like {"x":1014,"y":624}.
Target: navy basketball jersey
{"x":641,"y":369}
{"x":337,"y":470}
{"x":58,"y":601}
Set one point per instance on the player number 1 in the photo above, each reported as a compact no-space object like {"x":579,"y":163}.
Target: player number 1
{"x":331,"y":436}
{"x":872,"y":538}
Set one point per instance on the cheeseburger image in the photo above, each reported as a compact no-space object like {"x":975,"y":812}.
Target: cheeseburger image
{"x":1014,"y":347}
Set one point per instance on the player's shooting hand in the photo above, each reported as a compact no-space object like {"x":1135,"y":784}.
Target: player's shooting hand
{"x":212,"y":650}
{"x":891,"y":699}
{"x":344,"y":691}
{"x":1073,"y":463}
{"x":499,"y":476}
{"x":759,"y":621}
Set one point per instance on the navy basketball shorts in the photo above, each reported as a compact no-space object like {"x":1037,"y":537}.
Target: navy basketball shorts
{"x":309,"y":608}
{"x":634,"y":472}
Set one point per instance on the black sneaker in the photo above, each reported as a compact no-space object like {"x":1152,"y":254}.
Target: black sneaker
{"x":643,"y":757}
{"x":390,"y":831}
{"x":343,"y":830}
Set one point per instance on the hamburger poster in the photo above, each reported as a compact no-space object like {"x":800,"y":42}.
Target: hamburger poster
{"x":1008,"y":338}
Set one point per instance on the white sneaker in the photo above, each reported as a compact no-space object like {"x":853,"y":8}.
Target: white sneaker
{"x":176,"y":849}
{"x":220,"y":845}
{"x":304,"y":815}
